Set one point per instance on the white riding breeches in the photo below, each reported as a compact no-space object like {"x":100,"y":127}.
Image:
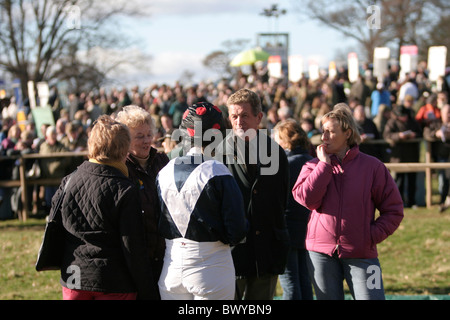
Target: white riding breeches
{"x":197,"y":271}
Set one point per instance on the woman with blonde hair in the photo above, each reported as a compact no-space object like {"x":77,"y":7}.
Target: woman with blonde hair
{"x":105,"y":257}
{"x":144,"y":163}
{"x":343,"y":188}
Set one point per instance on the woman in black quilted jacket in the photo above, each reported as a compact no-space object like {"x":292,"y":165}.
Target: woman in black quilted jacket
{"x":105,"y":251}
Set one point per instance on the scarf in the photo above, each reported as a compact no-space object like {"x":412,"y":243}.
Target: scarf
{"x":115,"y":164}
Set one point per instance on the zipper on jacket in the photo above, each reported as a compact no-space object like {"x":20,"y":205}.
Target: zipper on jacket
{"x":335,"y":251}
{"x":340,"y":176}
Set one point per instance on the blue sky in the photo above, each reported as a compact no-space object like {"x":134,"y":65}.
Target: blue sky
{"x":178,"y":34}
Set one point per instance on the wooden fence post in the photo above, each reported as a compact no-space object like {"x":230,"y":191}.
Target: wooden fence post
{"x":23,"y":215}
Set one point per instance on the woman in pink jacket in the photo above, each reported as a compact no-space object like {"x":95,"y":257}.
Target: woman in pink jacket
{"x":343,"y":188}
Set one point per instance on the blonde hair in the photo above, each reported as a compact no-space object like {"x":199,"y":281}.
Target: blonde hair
{"x":292,"y":134}
{"x":109,"y":140}
{"x":134,"y":116}
{"x":343,"y":115}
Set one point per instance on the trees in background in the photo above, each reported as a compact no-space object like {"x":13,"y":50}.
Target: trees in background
{"x":402,"y":22}
{"x":43,"y":40}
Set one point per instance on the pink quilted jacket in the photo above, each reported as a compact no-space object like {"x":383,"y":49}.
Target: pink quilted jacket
{"x":343,"y":198}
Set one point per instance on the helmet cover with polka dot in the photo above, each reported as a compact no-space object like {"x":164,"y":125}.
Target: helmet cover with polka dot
{"x":202,"y":116}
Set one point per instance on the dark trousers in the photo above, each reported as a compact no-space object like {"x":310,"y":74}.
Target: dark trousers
{"x":406,"y":183}
{"x":256,"y":288}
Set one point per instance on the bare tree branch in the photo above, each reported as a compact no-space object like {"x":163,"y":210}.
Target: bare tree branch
{"x":35,"y":34}
{"x":403,"y":21}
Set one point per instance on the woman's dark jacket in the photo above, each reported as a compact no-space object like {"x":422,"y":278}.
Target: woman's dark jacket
{"x":105,"y":239}
{"x":297,"y":216}
{"x":145,"y":180}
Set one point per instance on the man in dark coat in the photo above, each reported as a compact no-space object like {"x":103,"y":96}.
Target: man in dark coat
{"x":261,"y":170}
{"x":402,"y":132}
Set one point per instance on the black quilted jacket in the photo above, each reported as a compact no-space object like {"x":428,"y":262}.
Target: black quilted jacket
{"x":105,"y":239}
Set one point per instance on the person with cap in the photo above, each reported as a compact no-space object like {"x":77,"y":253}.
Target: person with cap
{"x":202,"y":214}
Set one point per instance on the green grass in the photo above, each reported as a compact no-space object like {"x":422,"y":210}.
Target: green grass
{"x":415,"y":260}
{"x":19,"y":244}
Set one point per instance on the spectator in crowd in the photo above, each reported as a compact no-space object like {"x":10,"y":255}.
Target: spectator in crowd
{"x":379,"y":96}
{"x":102,"y":214}
{"x":368,"y":131}
{"x":7,"y":123}
{"x":60,"y":127}
{"x":166,"y":124}
{"x":177,"y":109}
{"x":438,"y":133}
{"x":169,"y":145}
{"x":11,"y":110}
{"x":144,"y":163}
{"x":428,"y":112}
{"x":408,"y":103}
{"x":344,"y":187}
{"x":264,"y":187}
{"x":23,"y":146}
{"x":400,"y":132}
{"x":272,"y":118}
{"x":408,"y":88}
{"x":383,"y":116}
{"x":40,"y":139}
{"x":295,"y":280}
{"x":93,"y":109}
{"x":11,"y":139}
{"x":284,"y":113}
{"x":52,"y":167}
{"x":75,"y":138}
{"x":202,"y":215}
{"x":360,"y":91}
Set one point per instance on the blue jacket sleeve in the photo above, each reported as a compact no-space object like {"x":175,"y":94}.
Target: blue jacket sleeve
{"x":233,"y":213}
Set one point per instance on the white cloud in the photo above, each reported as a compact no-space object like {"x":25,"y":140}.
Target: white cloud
{"x":165,"y":67}
{"x":198,"y":7}
{"x":169,"y":66}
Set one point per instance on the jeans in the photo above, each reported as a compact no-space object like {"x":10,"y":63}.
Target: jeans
{"x":295,"y":280}
{"x":363,"y":277}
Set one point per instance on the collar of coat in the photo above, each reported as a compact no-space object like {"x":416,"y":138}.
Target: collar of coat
{"x":115,"y":164}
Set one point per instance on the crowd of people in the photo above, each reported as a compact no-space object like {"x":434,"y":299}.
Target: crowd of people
{"x":275,"y":217}
{"x":384,"y":110}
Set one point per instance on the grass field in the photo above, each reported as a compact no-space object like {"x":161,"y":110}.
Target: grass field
{"x":415,"y":260}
